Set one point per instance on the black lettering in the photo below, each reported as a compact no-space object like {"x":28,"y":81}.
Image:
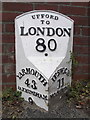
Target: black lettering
{"x":51,"y":17}
{"x":23,"y":71}
{"x":38,"y":15}
{"x":56,"y":17}
{"x":33,"y":16}
{"x":45,"y":83}
{"x":42,"y":31}
{"x":36,"y":74}
{"x":27,"y":70}
{"x":59,"y":32}
{"x":22,"y":32}
{"x":47,"y":16}
{"x":34,"y":93}
{"x":34,"y":84}
{"x":66,"y":71}
{"x":56,"y":75}
{"x":30,"y":92}
{"x":53,"y":79}
{"x":19,"y":87}
{"x":42,"y":21}
{"x":47,"y":22}
{"x":67,"y":31}
{"x":32,"y":71}
{"x":62,"y":82}
{"x":45,"y":97}
{"x":40,"y":77}
{"x":42,"y":80}
{"x":59,"y":83}
{"x":42,"y":15}
{"x":39,"y":95}
{"x":62,"y":69}
{"x":20,"y":75}
{"x":32,"y":31}
{"x":50,"y":32}
{"x":23,"y":89}
{"x":26,"y":90}
{"x":40,"y":42}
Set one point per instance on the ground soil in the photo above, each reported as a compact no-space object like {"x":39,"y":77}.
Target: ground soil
{"x":58,"y":108}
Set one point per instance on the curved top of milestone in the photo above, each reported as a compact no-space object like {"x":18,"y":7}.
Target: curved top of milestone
{"x":50,"y":11}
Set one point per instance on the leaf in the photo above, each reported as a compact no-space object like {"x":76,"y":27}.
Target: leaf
{"x":78,"y":106}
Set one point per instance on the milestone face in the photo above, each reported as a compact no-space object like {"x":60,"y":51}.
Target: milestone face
{"x":43,"y":46}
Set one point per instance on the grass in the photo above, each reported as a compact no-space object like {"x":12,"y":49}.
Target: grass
{"x":11,"y":95}
{"x":79,"y":92}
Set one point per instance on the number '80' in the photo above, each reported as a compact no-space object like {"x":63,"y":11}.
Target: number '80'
{"x":41,"y":47}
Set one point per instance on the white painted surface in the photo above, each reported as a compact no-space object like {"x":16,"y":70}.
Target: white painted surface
{"x":56,"y":50}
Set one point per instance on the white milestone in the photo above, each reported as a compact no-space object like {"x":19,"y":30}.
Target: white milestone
{"x":43,"y":42}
